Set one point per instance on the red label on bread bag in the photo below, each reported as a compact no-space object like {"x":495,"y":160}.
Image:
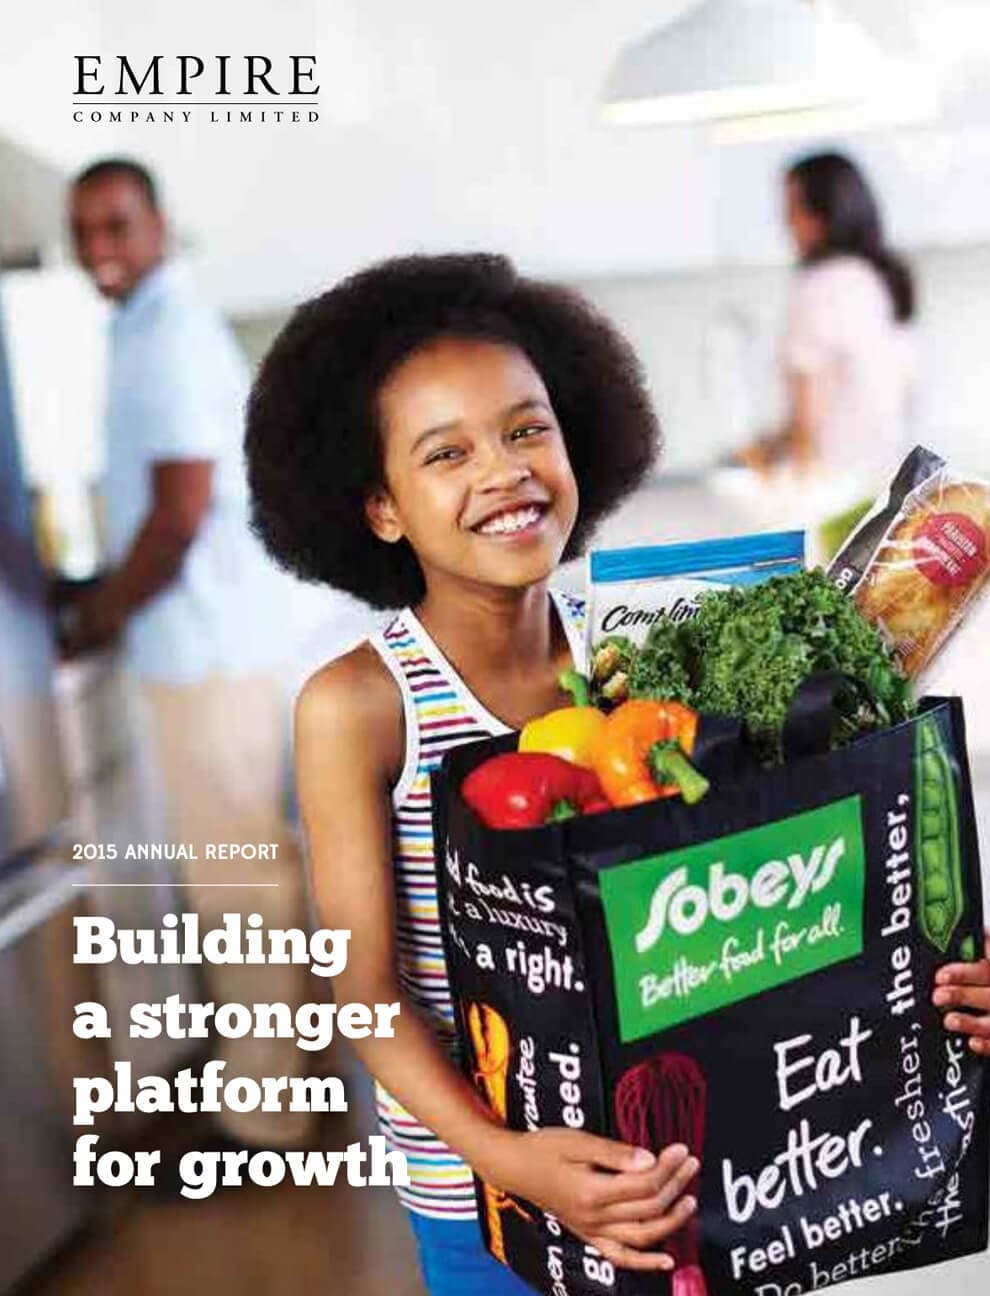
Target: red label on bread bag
{"x":952,"y":549}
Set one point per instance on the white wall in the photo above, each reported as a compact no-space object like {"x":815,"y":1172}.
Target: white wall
{"x":708,"y":341}
{"x":446,"y":125}
{"x":55,"y":327}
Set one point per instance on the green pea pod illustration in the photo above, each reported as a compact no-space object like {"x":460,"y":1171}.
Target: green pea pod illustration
{"x":938,"y":859}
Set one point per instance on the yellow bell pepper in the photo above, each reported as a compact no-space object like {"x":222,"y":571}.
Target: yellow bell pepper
{"x":570,"y":732}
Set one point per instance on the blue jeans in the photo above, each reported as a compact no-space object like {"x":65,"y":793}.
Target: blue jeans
{"x":455,"y":1263}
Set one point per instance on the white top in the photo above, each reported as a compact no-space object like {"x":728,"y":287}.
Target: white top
{"x":841,"y":327}
{"x":177,"y":389}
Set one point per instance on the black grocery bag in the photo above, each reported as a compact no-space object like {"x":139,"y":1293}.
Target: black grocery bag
{"x":750,"y":975}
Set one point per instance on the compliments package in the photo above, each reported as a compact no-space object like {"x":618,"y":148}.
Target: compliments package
{"x":750,"y":975}
{"x":630,"y":589}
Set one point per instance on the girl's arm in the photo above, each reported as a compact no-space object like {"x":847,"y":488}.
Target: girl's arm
{"x":349,"y":743}
{"x":964,"y":989}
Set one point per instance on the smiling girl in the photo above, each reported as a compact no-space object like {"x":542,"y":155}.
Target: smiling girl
{"x":436,"y":435}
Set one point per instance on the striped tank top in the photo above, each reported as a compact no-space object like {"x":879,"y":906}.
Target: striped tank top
{"x":440,"y":713}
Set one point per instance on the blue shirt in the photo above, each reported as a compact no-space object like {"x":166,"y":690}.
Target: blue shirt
{"x":177,"y":389}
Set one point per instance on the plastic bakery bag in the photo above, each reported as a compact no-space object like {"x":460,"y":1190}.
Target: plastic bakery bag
{"x":750,"y":975}
{"x":921,"y":557}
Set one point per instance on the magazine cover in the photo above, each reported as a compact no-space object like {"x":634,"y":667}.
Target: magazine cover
{"x":494,"y":594}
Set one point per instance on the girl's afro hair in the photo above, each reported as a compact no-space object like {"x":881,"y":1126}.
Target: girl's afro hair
{"x":313,"y":445}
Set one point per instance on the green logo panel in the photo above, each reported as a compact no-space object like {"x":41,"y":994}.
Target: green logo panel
{"x":695,"y":929}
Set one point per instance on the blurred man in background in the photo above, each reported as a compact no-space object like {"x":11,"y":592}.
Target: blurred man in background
{"x":191,"y":593}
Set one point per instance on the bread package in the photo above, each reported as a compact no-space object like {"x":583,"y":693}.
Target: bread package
{"x":920,"y":558}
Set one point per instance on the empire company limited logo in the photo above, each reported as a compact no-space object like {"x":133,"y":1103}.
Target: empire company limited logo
{"x":217,"y":89}
{"x":694,"y":930}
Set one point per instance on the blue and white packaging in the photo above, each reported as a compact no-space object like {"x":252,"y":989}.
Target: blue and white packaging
{"x":630,"y":589}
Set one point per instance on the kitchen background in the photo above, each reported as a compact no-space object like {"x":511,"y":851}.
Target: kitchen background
{"x":441,"y":126}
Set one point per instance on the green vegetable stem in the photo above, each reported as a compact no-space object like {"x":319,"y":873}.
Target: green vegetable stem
{"x":938,"y":857}
{"x":671,"y":766}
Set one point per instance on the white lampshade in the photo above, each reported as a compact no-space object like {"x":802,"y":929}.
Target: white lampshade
{"x":741,"y":60}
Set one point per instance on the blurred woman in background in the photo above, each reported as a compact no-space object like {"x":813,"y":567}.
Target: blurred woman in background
{"x":848,"y":350}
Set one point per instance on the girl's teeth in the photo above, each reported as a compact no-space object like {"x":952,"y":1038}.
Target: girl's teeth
{"x":508,"y":522}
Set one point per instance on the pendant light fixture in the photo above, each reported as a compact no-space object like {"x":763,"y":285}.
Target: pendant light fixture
{"x":761,"y":66}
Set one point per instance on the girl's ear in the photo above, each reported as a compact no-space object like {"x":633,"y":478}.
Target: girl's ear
{"x":379,"y":509}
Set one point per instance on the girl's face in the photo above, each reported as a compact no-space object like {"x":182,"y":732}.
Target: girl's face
{"x":477,"y":477}
{"x":807,"y":229}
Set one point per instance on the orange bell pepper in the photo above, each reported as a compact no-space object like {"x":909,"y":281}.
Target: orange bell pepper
{"x":643,"y":753}
{"x":571,"y":732}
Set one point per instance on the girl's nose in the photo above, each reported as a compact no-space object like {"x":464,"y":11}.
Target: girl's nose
{"x":508,"y":477}
{"x":503,"y":470}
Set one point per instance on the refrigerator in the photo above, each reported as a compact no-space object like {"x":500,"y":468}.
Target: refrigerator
{"x":39,"y":1210}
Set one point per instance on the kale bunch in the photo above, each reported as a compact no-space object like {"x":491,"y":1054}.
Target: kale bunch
{"x":660,"y":668}
{"x":748,"y":650}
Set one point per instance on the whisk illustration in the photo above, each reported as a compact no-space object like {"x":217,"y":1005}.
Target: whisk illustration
{"x":659,"y":1102}
{"x":491,"y":1045}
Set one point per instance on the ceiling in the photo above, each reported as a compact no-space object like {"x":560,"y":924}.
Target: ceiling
{"x":451,"y":125}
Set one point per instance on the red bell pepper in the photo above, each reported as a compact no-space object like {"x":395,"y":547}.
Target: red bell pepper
{"x":527,"y":789}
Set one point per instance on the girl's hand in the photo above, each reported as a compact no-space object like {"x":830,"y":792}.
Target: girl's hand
{"x":621,"y":1199}
{"x":967,"y":985}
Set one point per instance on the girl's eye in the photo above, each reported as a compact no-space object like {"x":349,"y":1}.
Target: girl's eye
{"x":446,"y":454}
{"x":524,"y":433}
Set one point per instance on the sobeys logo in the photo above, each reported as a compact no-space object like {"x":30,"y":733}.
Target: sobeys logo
{"x":696,"y":929}
{"x":689,"y":906}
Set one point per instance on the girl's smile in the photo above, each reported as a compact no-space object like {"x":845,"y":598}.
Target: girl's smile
{"x":519,"y":521}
